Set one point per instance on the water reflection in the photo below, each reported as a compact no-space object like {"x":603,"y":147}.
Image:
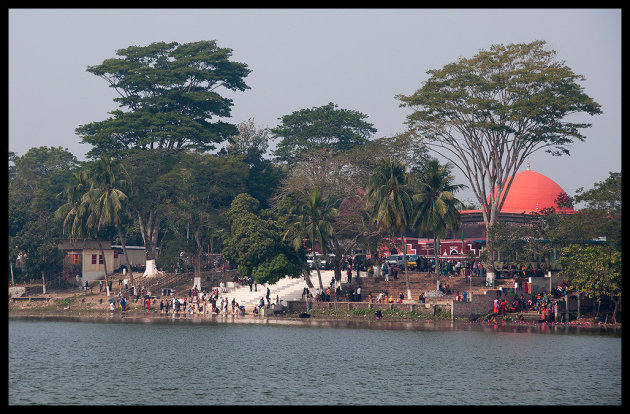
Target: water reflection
{"x":272,"y":361}
{"x":426,"y":325}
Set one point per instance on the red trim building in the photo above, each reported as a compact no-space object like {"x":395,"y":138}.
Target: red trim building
{"x":530,"y":195}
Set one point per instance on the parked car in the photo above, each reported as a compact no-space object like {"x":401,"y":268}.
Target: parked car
{"x":412,"y":261}
{"x":398,"y":259}
{"x":311,"y":262}
{"x":395,"y":259}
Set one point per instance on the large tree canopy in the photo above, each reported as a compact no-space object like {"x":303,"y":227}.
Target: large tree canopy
{"x":167,"y":97}
{"x":323,"y":127}
{"x":34,"y":182}
{"x":489,"y":113}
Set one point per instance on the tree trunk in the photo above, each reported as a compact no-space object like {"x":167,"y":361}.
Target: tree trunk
{"x":402,"y":239}
{"x":124,"y":247}
{"x":307,"y":277}
{"x":489,"y":265}
{"x":100,"y":246}
{"x":319,"y":275}
{"x":148,"y":229}
{"x":436,"y":252}
{"x":616,"y":302}
{"x":197,"y":269}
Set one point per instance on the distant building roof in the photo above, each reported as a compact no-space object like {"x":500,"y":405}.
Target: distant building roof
{"x":530,"y":193}
{"x":68,"y":244}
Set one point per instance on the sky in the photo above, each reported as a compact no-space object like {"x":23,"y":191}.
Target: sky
{"x":359,"y":59}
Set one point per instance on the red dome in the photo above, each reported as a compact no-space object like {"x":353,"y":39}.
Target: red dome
{"x":531,"y":192}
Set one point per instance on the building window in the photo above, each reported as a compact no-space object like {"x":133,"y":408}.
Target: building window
{"x":76,"y":258}
{"x":93,"y":259}
{"x":100,"y":259}
{"x":115,"y":254}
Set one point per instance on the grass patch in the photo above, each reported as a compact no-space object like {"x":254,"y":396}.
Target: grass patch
{"x":388,"y":314}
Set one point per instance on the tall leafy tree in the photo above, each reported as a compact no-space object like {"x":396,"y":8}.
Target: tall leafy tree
{"x":167,"y":97}
{"x":489,"y":113}
{"x":255,"y":244}
{"x":437,"y":209}
{"x":151,"y":189}
{"x":595,"y":271}
{"x":168,"y":102}
{"x":312,"y":219}
{"x":207,"y":186}
{"x":320,"y":127}
{"x":390,"y":200}
{"x":251,"y":145}
{"x":35,"y":179}
{"x":107,"y":200}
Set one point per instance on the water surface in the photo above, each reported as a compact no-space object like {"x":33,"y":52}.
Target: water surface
{"x":314,"y":363}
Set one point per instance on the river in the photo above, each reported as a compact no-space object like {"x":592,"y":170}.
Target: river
{"x":176,"y":362}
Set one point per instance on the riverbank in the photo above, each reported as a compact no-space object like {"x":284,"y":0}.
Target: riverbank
{"x":77,"y":305}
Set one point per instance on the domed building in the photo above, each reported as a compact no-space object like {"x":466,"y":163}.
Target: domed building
{"x":530,"y":194}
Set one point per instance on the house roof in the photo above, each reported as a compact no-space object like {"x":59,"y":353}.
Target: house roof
{"x":84,"y":244}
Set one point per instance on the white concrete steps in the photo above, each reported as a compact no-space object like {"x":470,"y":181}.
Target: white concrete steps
{"x":287,"y":289}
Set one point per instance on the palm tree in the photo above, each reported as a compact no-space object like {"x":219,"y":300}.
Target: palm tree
{"x":313,"y":218}
{"x":74,"y":211}
{"x":389,"y":198}
{"x":436,"y":207}
{"x":105,"y":203}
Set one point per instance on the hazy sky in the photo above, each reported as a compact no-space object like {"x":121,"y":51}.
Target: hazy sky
{"x":358,"y":59}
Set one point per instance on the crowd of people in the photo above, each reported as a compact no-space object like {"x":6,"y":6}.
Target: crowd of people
{"x":543,"y":303}
{"x":197,"y":302}
{"x":350,"y":293}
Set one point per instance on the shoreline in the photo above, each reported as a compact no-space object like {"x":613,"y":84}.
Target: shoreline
{"x":94,"y":307}
{"x":323,"y":321}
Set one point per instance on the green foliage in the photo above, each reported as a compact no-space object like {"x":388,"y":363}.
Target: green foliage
{"x":518,"y":90}
{"x":270,"y":271}
{"x":436,"y":206}
{"x":35,"y":180}
{"x":593,"y":269}
{"x":390,"y":195}
{"x":489,"y":113}
{"x":322,"y":127}
{"x":167,"y":95}
{"x":605,"y":195}
{"x":255,"y":244}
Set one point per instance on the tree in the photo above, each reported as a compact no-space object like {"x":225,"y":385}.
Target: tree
{"x":604,"y":200}
{"x":293,"y":234}
{"x":251,"y":144}
{"x":255,"y":244}
{"x":167,"y":97}
{"x":322,"y":127}
{"x":436,"y":206}
{"x":389,"y":198}
{"x":35,"y":179}
{"x":312,"y":218}
{"x":595,"y":271}
{"x":207,"y":186}
{"x":168,"y":103}
{"x":107,"y":202}
{"x":151,"y":189}
{"x":489,"y":113}
{"x":605,"y":195}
